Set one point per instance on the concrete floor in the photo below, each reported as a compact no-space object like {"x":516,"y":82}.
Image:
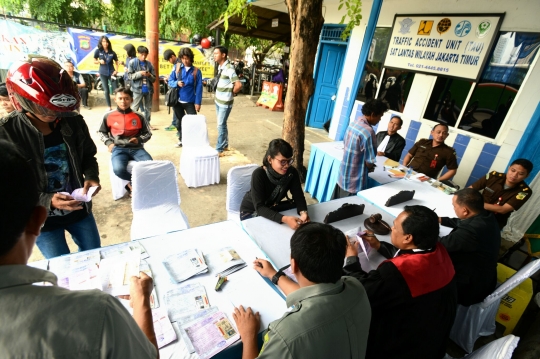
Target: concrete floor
{"x":250,"y":130}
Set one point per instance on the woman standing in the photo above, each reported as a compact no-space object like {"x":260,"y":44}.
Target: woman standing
{"x":130,"y":55}
{"x":188,"y":79}
{"x":270,"y":184}
{"x":105,"y":56}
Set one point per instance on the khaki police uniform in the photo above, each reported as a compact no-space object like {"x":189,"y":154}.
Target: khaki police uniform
{"x":424,"y":153}
{"x":494,"y":193}
{"x":323,"y":321}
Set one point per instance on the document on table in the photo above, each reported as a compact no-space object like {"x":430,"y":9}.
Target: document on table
{"x":185,"y":300}
{"x":184,"y":265}
{"x":116,"y":272}
{"x":163,"y":328}
{"x":84,"y":276}
{"x":191,"y":318}
{"x":224,"y":262}
{"x":123,"y":248}
{"x":211,"y":334}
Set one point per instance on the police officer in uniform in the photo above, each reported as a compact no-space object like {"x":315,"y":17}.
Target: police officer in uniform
{"x":430,"y":156}
{"x":505,"y":193}
{"x":328,"y":315}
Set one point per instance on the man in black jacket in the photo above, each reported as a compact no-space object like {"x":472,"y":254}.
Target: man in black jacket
{"x":412,"y":294}
{"x":473,"y":246}
{"x":54,"y":139}
{"x":389,"y":143}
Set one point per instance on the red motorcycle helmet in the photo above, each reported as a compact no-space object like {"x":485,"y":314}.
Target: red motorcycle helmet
{"x":42,"y":87}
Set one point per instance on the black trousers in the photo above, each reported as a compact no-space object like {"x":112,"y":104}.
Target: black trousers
{"x":181,"y":109}
{"x":84,"y":95}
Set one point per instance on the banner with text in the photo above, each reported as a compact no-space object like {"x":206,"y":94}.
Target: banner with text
{"x":454,"y":45}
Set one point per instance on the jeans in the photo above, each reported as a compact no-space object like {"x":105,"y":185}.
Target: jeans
{"x":105,"y":82}
{"x":121,"y":156}
{"x":222,"y":114}
{"x":84,"y":233}
{"x":143,"y":103}
{"x":181,"y":109}
{"x":83,"y":91}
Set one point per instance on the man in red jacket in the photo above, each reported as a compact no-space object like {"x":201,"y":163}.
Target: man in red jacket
{"x":124,"y":132}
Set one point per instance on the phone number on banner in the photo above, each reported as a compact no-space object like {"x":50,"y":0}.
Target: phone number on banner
{"x":431,"y":68}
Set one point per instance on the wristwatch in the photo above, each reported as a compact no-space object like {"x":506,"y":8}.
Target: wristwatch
{"x":276,"y":276}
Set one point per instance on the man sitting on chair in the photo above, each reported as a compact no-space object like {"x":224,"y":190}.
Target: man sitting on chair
{"x":390,"y":143}
{"x":473,"y":246}
{"x":124,"y":132}
{"x":413,"y":289}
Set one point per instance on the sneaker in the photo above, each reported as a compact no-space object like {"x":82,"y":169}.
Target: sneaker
{"x":179,"y":144}
{"x":170,"y":128}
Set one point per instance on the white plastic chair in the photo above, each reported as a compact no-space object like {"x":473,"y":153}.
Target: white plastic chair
{"x":501,"y":348}
{"x":156,"y":200}
{"x":478,"y":320}
{"x":238,"y":183}
{"x":118,"y":185}
{"x":199,"y":163}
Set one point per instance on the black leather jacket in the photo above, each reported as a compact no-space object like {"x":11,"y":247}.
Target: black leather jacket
{"x":19,"y":130}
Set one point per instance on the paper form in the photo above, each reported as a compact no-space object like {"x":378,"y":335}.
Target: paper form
{"x":224,"y":262}
{"x":116,"y":272}
{"x":79,"y":196}
{"x":184,"y":265}
{"x":84,"y":276}
{"x":211,"y":334}
{"x":163,"y":328}
{"x":186,"y":300}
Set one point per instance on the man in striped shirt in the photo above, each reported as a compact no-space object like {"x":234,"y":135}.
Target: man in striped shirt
{"x":360,"y":150}
{"x":227,"y":87}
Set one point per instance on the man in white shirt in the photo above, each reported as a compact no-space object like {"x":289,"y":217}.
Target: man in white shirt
{"x":389,"y":143}
{"x":47,"y":321}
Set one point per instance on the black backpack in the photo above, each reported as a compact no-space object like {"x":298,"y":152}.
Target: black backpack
{"x":171,"y":97}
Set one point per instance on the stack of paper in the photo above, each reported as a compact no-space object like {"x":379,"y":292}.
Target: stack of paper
{"x":184,"y":265}
{"x":116,"y":272}
{"x":186,"y":300}
{"x":163,"y":328}
{"x":209,"y":334}
{"x":224,"y":262}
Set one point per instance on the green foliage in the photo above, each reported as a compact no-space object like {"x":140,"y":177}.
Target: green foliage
{"x":126,"y":16}
{"x":353,"y":13}
{"x":84,"y":12}
{"x":239,"y":7}
{"x":177,"y":16}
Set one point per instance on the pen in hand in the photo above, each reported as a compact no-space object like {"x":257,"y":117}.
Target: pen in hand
{"x":258,"y":263}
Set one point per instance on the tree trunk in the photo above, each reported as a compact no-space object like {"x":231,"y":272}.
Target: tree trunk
{"x":152,"y":40}
{"x":306,"y":24}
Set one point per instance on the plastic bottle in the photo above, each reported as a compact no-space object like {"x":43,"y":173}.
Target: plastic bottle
{"x":408,"y":173}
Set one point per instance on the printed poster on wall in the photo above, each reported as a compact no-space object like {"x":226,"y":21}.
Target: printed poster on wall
{"x":454,"y":45}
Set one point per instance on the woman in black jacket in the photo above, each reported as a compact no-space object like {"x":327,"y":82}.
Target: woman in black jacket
{"x":270,"y":184}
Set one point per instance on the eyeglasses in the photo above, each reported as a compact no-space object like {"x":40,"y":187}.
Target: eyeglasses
{"x":289,"y":162}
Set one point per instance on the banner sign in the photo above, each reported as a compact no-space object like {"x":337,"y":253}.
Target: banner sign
{"x":85,"y":44}
{"x":453,"y":45}
{"x":18,"y":41}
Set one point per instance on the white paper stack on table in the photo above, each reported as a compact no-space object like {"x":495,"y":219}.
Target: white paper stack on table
{"x":223,"y":262}
{"x":184,"y":265}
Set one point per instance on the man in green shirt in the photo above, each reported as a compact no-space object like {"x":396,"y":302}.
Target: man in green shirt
{"x":328,"y":316}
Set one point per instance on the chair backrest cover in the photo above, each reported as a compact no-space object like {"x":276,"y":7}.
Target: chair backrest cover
{"x":238,"y":183}
{"x":194,"y":131}
{"x":512,"y":282}
{"x":501,"y":348}
{"x":154,"y":184}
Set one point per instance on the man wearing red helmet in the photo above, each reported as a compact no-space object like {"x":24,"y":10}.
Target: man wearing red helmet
{"x":54,"y":138}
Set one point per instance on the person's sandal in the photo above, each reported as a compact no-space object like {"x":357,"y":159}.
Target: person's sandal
{"x":128,"y":189}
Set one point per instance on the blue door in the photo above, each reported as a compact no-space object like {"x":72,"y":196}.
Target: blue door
{"x":326,"y":84}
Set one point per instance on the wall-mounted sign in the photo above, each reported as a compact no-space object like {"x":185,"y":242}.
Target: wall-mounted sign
{"x":455,"y":45}
{"x":275,"y":22}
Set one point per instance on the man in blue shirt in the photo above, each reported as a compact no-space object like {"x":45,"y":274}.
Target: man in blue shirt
{"x":142,"y":76}
{"x":360,"y":150}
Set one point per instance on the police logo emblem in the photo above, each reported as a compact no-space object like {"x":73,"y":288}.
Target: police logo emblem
{"x":63,"y":100}
{"x":406,"y":25}
{"x":463,"y":28}
{"x":133,"y":123}
{"x":521,"y":195}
